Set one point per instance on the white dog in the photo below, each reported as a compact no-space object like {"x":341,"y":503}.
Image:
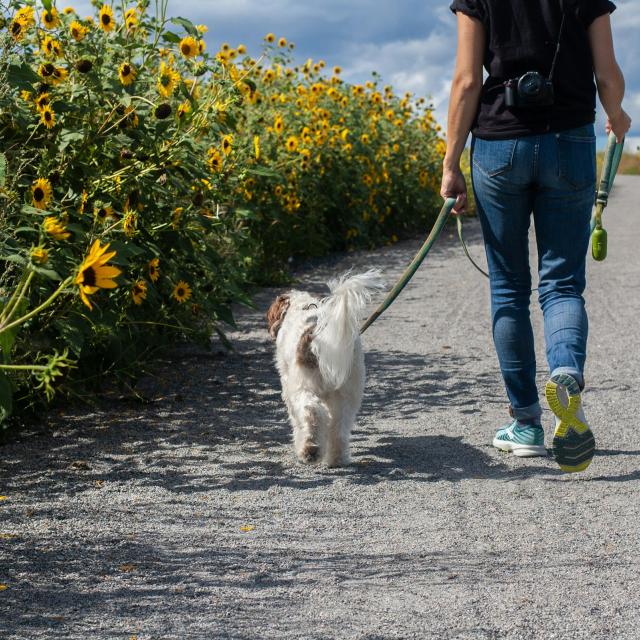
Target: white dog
{"x":321,"y":364}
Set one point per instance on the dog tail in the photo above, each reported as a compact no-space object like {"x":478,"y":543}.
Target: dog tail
{"x":338,"y":324}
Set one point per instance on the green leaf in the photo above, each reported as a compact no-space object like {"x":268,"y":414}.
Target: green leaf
{"x":47,"y":4}
{"x":66,"y":137}
{"x":223,"y":338}
{"x":23,"y":76}
{"x":47,"y":273}
{"x":28,"y":209}
{"x":187,"y":24}
{"x":169,"y":36}
{"x":124,"y":252}
{"x":263,"y":171}
{"x":6,"y":397}
{"x":13,"y":257}
{"x":3,"y":169}
{"x":73,"y":329}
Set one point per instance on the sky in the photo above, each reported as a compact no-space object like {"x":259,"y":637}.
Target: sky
{"x":411,"y":43}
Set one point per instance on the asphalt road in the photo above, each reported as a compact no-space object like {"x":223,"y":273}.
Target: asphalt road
{"x":188,"y":517}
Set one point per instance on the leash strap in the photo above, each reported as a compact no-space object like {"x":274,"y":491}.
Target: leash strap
{"x":609,"y":168}
{"x":415,"y":263}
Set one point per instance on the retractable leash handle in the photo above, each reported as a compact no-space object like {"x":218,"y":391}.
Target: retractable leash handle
{"x":438,"y":225}
{"x":611,"y":161}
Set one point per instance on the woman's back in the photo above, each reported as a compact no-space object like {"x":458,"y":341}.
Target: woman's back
{"x":522,"y":36}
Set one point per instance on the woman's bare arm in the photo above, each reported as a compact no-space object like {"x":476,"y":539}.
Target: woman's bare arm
{"x":465,"y":87}
{"x":609,"y":78}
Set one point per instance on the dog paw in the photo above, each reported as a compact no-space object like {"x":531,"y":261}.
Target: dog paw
{"x":310,"y":452}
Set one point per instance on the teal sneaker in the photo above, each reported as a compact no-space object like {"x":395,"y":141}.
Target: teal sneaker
{"x":523,"y":440}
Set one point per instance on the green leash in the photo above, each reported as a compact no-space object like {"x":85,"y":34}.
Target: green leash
{"x":598,"y":233}
{"x":609,"y":168}
{"x":415,"y":263}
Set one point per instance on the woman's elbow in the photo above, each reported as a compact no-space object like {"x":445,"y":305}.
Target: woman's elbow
{"x":467,"y":83}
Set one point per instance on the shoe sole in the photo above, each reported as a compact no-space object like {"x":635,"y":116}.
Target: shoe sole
{"x":520,"y":450}
{"x":573,"y":442}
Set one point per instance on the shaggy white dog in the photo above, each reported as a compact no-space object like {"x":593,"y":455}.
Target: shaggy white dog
{"x":321,"y":364}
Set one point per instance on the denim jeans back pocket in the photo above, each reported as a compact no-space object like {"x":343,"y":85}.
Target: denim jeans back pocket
{"x":577,"y":157}
{"x":493,"y":157}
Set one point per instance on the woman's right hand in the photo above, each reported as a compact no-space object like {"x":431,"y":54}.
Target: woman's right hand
{"x":619,"y":124}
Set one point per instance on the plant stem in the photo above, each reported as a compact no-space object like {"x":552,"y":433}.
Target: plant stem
{"x":38,"y":309}
{"x":24,"y":367}
{"x":11,"y":305}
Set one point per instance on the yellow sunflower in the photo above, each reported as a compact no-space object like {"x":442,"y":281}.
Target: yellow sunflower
{"x":215,"y":160}
{"x":105,"y":18}
{"x":127,"y":73}
{"x":183,"y":109}
{"x":51,"y":47}
{"x":189,"y":47}
{"x":282,"y":42}
{"x":52,"y":74}
{"x":39,"y":255}
{"x":42,"y":101}
{"x":94,"y":273}
{"x":139,"y":291}
{"x":242,"y":49}
{"x":47,"y":117}
{"x":278,"y":125}
{"x":41,"y":193}
{"x":292,"y":144}
{"x":181,"y":292}
{"x":102,"y":214}
{"x":227,"y":144}
{"x":130,"y":223}
{"x":154,"y":269}
{"x":50,"y":19}
{"x":269,"y":37}
{"x":57,"y":229}
{"x":77,"y":30}
{"x":256,"y":146}
{"x":168,"y":78}
{"x":17,"y":30}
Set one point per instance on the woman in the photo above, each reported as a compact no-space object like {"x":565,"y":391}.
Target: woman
{"x":533,"y":152}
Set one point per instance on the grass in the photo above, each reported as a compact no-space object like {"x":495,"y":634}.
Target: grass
{"x":629,"y":163}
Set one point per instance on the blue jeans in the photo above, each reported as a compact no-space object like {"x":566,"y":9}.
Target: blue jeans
{"x":553,"y":176}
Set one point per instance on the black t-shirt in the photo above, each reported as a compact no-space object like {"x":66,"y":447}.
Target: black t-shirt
{"x":522,"y":36}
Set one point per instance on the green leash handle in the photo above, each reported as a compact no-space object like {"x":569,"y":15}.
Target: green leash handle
{"x":438,"y":225}
{"x":609,"y":168}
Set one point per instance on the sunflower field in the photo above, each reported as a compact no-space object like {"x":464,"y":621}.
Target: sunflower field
{"x":147,"y":183}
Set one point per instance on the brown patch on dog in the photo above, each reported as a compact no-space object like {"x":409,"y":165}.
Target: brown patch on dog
{"x":304,"y":356}
{"x":275,"y":315}
{"x":310,"y":452}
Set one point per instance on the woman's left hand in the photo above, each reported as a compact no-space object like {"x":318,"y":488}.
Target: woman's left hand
{"x":454,"y":185}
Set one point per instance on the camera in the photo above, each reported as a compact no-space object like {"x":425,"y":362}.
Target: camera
{"x":529,"y":90}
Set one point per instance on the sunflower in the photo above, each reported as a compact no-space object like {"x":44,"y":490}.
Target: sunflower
{"x":94,"y":273}
{"x":68,"y":11}
{"x":167,"y":80}
{"x":57,"y":229}
{"x":181,"y":292}
{"x":52,"y":74}
{"x":47,"y":117}
{"x":183,"y":109}
{"x":176,"y":216}
{"x":77,"y":30}
{"x":269,"y":37}
{"x":242,"y":49}
{"x":202,"y":45}
{"x":278,"y":125}
{"x":227,"y":144}
{"x":83,"y":202}
{"x":282,"y":42}
{"x":50,"y":19}
{"x":127,"y":73}
{"x":51,"y":47}
{"x":42,"y":101}
{"x":139,"y":291}
{"x":130,"y":223}
{"x":41,"y":193}
{"x":292,"y":144}
{"x":154,"y":269}
{"x":17,"y":30}
{"x":189,"y":47}
{"x":39,"y":255}
{"x":215,"y":160}
{"x":106,"y":18}
{"x":202,"y":28}
{"x":256,"y":146}
{"x":103,"y":213}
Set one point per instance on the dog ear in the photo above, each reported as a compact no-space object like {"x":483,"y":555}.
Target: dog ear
{"x":276,"y":314}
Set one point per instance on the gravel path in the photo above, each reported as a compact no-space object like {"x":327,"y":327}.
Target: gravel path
{"x":187,"y":516}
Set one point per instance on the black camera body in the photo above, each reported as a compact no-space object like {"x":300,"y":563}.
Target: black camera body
{"x":531,"y":89}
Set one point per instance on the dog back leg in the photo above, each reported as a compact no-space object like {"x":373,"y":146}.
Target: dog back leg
{"x":311,"y":425}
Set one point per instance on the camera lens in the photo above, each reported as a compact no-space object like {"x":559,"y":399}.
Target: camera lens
{"x":530,"y":84}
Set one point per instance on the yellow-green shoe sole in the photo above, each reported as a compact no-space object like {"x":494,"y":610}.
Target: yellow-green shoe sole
{"x":573,"y":444}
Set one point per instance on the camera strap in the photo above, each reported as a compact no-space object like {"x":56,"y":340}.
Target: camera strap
{"x":555,"y":56}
